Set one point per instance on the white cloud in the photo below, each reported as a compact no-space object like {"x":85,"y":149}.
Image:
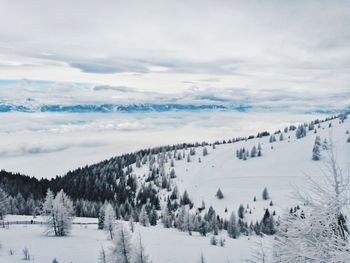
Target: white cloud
{"x":294,"y":45}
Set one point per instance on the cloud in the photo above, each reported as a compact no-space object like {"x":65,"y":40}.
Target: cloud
{"x":16,"y":149}
{"x":280,"y":44}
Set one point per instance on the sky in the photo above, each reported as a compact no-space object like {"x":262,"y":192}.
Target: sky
{"x":174,"y":46}
{"x":262,"y":64}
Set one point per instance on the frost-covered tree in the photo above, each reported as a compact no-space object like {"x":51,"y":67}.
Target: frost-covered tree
{"x":267,"y":224}
{"x":300,"y":132}
{"x":281,"y":137}
{"x":259,"y":150}
{"x":232,"y":227}
{"x":348,"y":140}
{"x":241,"y":211}
{"x":253,"y":152}
{"x":219,"y":194}
{"x":172,"y":173}
{"x":265,"y":194}
{"x":213,"y":240}
{"x":185,"y":199}
{"x":319,"y":232}
{"x":101,"y":217}
{"x":316,"y":152}
{"x":122,"y":250}
{"x":166,"y":217}
{"x":59,"y":213}
{"x":143,"y":217}
{"x":205,"y":151}
{"x":3,"y":204}
{"x":272,"y":138}
{"x":109,"y":222}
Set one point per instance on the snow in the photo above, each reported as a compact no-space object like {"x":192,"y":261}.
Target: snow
{"x":287,"y":164}
{"x":283,"y":164}
{"x":85,"y":242}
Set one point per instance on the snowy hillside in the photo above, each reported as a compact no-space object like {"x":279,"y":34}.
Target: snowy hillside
{"x":282,"y":163}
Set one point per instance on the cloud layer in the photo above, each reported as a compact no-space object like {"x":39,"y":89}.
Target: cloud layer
{"x":166,"y":46}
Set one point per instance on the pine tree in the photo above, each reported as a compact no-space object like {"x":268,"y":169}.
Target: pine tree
{"x":185,"y":200}
{"x":143,"y":217}
{"x":232,"y":227}
{"x":300,"y":132}
{"x":316,"y":153}
{"x":259,"y":150}
{"x":253,"y":152}
{"x":205,"y":151}
{"x":153,"y":217}
{"x":281,"y":137}
{"x":268,"y":224}
{"x":219,"y":194}
{"x":166,"y":217}
{"x":101,"y":217}
{"x":213,"y":240}
{"x":241,"y":211}
{"x":265,"y":194}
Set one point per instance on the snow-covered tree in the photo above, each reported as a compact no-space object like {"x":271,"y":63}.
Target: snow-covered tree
{"x":300,"y":132}
{"x":143,"y":217}
{"x":253,"y":152}
{"x":122,"y":250}
{"x":259,"y":150}
{"x":101,"y":217}
{"x":58,"y":212}
{"x":219,"y":194}
{"x":265,"y":194}
{"x":3,"y":204}
{"x":267,"y":224}
{"x":205,"y":151}
{"x":316,"y":152}
{"x":232,"y":227}
{"x":172,"y":173}
{"x":319,"y":232}
{"x":166,"y":217}
{"x":241,"y":211}
{"x":109,"y":221}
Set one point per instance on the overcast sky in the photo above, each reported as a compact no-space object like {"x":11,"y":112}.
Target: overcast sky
{"x":173,"y":46}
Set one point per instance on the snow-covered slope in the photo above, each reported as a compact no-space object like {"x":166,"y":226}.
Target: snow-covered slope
{"x":282,"y":164}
